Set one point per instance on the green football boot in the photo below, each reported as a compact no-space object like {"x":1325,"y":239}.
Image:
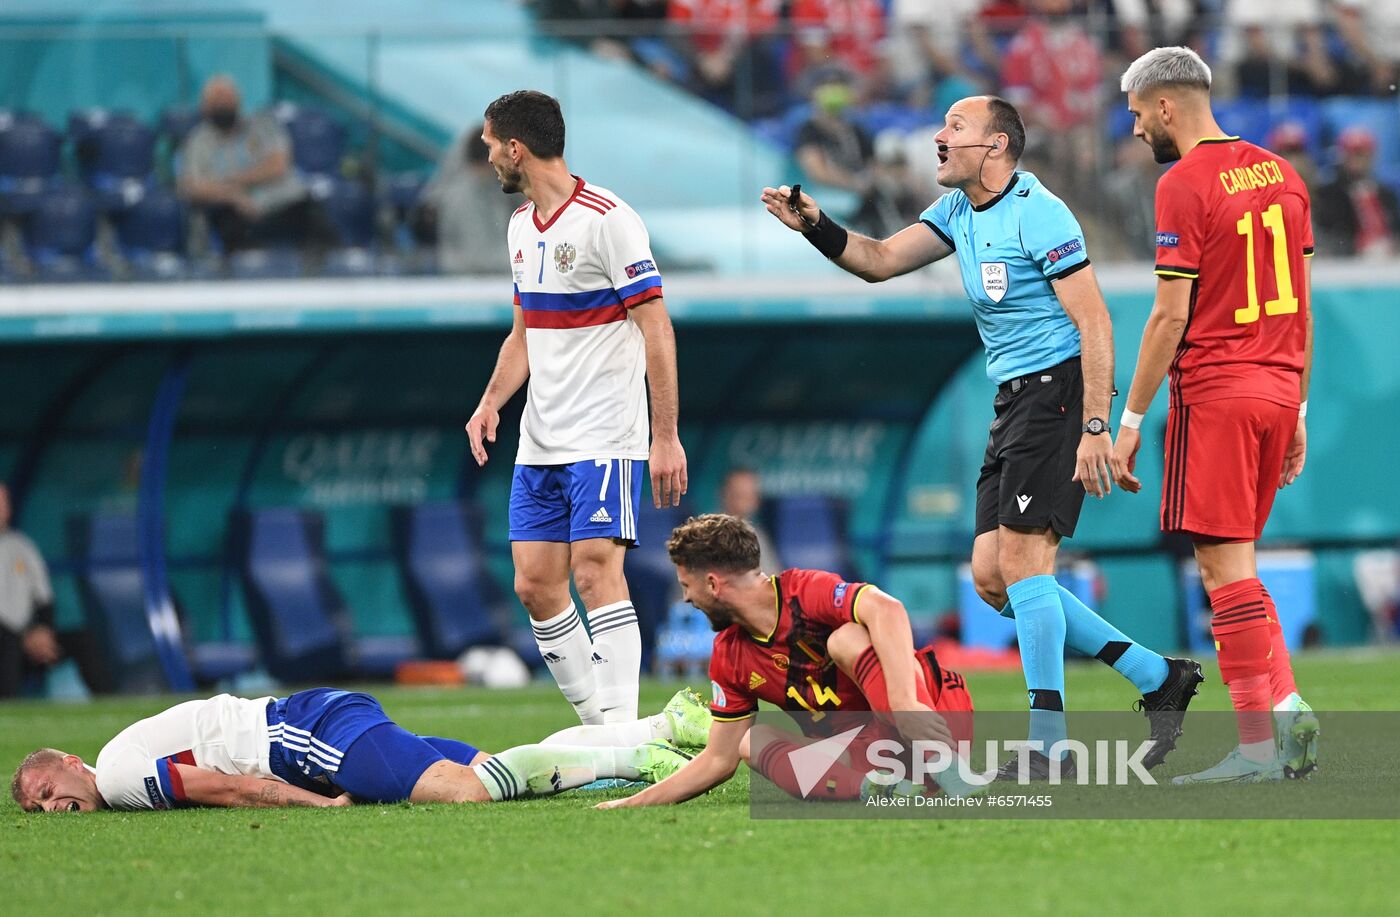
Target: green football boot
{"x":689,"y":717}
{"x":1297,"y":732}
{"x":1236,"y":768}
{"x":655,"y":761}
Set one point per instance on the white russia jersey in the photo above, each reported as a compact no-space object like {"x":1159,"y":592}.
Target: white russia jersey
{"x":136,"y":770}
{"x":576,"y":277}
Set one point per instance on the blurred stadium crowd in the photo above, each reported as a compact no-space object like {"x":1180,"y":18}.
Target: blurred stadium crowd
{"x":854,"y":89}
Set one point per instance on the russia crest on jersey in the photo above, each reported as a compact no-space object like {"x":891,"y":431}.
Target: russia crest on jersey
{"x":994,"y":280}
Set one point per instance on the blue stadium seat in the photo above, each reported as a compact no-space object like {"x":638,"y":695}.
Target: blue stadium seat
{"x":110,"y":583}
{"x":455,"y":602}
{"x":298,"y":616}
{"x":351,"y":209}
{"x":176,"y":123}
{"x":318,"y":140}
{"x":111,"y":587}
{"x":810,"y":531}
{"x":117,"y":157}
{"x":265,"y":264}
{"x":1253,"y":119}
{"x":651,"y":577}
{"x":151,"y":234}
{"x":60,"y":237}
{"x":29,"y":162}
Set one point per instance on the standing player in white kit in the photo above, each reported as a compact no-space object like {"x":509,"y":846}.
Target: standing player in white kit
{"x":591,"y":335}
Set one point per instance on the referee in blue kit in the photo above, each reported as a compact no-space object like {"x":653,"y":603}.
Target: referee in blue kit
{"x":1049,"y":342}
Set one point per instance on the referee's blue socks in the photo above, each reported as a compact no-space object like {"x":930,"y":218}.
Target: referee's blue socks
{"x":1091,"y":635}
{"x":1040,"y":632}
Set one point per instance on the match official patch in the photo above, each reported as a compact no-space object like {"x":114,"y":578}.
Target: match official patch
{"x":1064,"y":251}
{"x":640,"y":268}
{"x":1168,"y":240}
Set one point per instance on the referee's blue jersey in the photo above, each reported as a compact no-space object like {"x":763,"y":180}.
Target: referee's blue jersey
{"x":1009,"y":250}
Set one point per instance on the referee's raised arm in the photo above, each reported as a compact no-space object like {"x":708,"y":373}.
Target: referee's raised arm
{"x":872,"y":260}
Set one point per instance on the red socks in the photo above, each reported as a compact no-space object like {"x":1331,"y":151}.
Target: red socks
{"x":1281,"y":681}
{"x":772,"y":761}
{"x":1243,"y":642}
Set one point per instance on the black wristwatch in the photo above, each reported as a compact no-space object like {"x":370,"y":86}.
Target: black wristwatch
{"x":1095,"y":425}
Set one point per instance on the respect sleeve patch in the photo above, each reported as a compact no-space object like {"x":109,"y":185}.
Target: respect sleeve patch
{"x":640,"y":268}
{"x":1168,"y":240}
{"x":1064,"y":251}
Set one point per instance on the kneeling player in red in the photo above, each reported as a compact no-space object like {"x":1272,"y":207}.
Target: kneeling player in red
{"x":802,"y":640}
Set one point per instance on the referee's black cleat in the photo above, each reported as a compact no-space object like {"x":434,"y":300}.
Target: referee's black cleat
{"x":1037,"y":768}
{"x":1166,"y":707}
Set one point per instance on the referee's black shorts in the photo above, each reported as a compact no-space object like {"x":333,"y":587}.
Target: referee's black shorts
{"x":1027,"y":473}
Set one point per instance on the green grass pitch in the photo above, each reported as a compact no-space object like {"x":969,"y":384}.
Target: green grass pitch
{"x":558,"y":856}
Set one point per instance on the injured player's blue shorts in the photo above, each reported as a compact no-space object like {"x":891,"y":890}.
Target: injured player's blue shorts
{"x":325,"y":739}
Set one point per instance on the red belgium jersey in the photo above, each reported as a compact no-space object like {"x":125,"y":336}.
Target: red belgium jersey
{"x":790,"y":667}
{"x":1236,"y":220}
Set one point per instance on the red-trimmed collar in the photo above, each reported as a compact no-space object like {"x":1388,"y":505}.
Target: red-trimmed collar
{"x":535,"y":213}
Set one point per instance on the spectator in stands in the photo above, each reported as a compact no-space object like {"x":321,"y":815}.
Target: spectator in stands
{"x":832,"y":148}
{"x":1370,"y":33}
{"x":464,"y":203}
{"x":1131,"y":189}
{"x":1052,"y":73}
{"x":734,"y":53}
{"x":1290,"y":140}
{"x":928,"y":47}
{"x":1146,"y":24}
{"x":1263,"y":41}
{"x":1355,"y":214}
{"x":239,"y":169}
{"x":29,"y":644}
{"x":741,"y":495}
{"x":896,"y":197}
{"x":846,"y":32}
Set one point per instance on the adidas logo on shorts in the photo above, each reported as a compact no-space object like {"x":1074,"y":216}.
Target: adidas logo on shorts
{"x":601,"y":515}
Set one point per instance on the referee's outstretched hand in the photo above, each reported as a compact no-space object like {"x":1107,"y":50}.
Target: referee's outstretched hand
{"x":779,"y":203}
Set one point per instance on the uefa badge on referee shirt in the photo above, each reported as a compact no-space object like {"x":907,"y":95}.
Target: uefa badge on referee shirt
{"x":994,"y":279}
{"x":564,"y":257}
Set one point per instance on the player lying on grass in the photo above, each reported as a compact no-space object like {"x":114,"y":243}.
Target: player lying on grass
{"x":326,"y":747}
{"x":801,"y":640}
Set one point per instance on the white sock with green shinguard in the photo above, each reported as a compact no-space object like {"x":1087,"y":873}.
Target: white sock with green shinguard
{"x":567,"y":651}
{"x":540,"y":770}
{"x":622,"y":735}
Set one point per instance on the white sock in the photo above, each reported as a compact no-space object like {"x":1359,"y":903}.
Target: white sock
{"x":537,"y":770}
{"x":617,"y":658}
{"x":1288,"y":704}
{"x":1258,"y":752}
{"x":622,"y":735}
{"x":568,"y":652}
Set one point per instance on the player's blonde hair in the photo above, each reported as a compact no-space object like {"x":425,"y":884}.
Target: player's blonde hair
{"x":714,"y":541}
{"x":1167,"y":67}
{"x":40,"y":757}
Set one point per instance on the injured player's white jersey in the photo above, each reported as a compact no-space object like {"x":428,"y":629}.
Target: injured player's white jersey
{"x":136,"y":770}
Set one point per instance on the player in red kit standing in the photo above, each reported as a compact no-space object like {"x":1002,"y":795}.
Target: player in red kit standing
{"x":1232,"y":325}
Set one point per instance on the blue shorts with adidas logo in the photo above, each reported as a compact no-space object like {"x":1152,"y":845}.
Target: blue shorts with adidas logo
{"x":595,"y":498}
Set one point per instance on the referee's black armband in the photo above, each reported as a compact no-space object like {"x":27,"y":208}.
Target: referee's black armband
{"x":828,"y":236}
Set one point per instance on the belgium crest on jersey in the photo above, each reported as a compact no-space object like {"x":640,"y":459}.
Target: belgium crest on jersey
{"x":564,"y":257}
